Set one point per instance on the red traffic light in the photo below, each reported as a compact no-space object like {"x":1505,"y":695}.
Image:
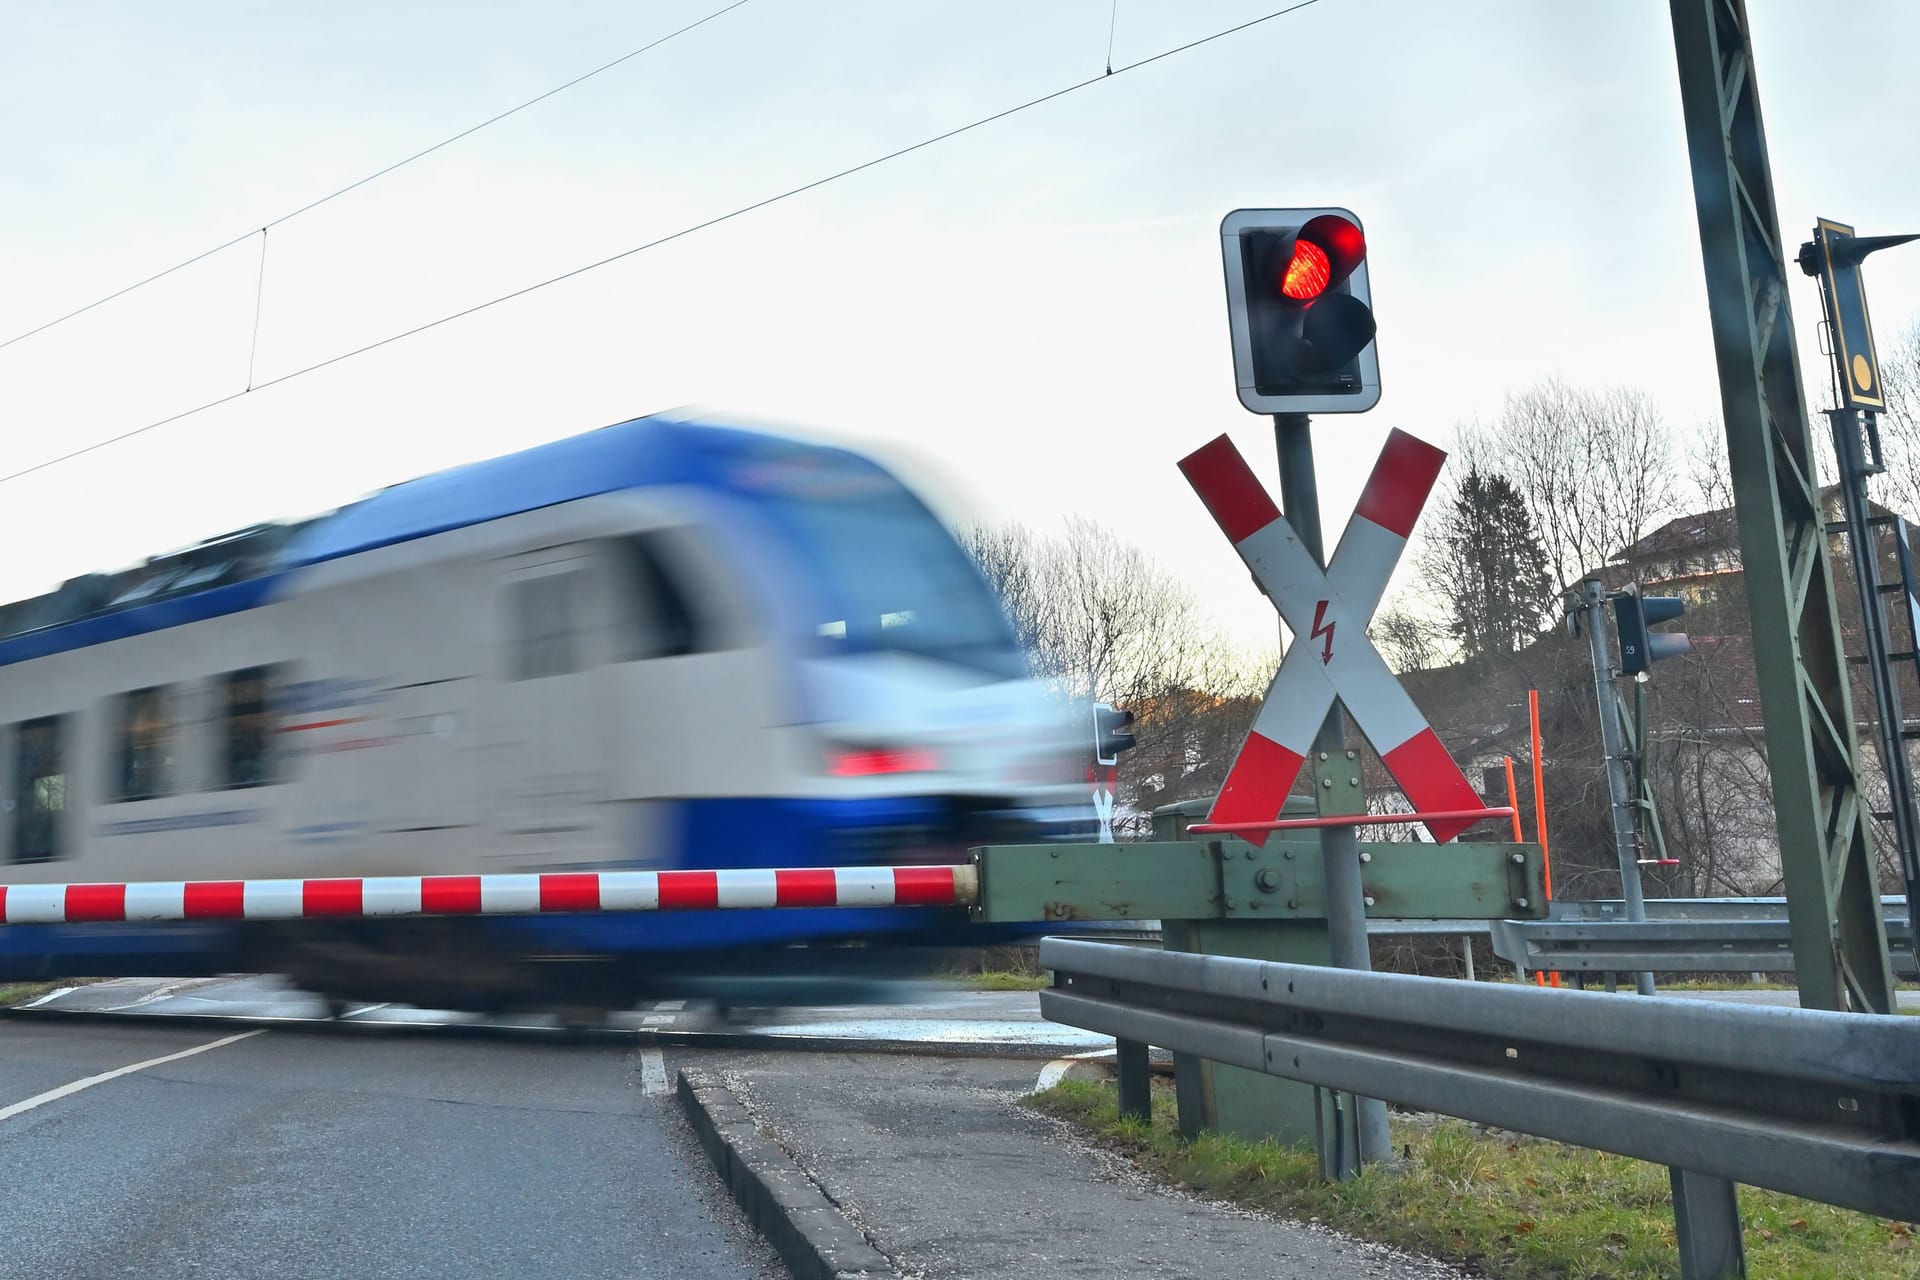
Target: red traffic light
{"x":1324,"y":252}
{"x":1307,"y":272}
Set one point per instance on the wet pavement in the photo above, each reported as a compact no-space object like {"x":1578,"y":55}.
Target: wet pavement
{"x":922,"y":1016}
{"x":154,"y":1148}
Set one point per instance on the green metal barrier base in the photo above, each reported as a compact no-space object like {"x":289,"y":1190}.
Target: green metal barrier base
{"x":1230,"y":879}
{"x":1233,"y":1100}
{"x":1228,"y":897}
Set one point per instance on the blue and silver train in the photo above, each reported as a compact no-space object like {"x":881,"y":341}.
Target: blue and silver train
{"x":663,"y":644}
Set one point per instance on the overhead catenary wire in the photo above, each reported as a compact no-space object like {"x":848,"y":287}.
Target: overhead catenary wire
{"x":651,"y":244}
{"x":311,"y":205}
{"x":259,"y":294}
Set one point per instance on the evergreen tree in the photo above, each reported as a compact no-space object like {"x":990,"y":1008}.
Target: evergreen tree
{"x":1500,"y":591}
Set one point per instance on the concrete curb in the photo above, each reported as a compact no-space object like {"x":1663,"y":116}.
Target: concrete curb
{"x":805,"y":1228}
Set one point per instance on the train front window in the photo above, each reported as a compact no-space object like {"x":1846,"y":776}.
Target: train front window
{"x":894,"y":579}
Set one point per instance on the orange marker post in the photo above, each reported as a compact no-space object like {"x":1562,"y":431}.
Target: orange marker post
{"x":1539,"y":793}
{"x":1539,"y":800}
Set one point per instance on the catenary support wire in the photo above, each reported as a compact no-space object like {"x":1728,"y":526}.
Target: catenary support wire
{"x":311,"y":205}
{"x":650,"y":244}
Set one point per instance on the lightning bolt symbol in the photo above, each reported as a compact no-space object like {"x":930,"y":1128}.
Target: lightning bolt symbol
{"x":1322,"y":628}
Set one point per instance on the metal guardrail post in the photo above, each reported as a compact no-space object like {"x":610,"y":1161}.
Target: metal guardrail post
{"x":1136,"y":1085}
{"x":1706,"y":1219}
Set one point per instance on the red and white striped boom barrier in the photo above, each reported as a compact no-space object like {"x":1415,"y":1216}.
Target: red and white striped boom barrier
{"x":491,"y":895}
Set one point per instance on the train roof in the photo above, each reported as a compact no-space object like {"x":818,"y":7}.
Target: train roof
{"x":237,"y":571}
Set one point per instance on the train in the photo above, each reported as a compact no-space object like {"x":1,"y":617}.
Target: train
{"x":667,"y":643}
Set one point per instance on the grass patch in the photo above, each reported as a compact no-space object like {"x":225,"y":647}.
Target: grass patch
{"x":1516,"y":1207}
{"x":996,"y":969}
{"x":1003,"y":980}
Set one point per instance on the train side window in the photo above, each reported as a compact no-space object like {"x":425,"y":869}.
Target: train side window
{"x":39,"y":791}
{"x":544,"y":626}
{"x":143,"y":744}
{"x":668,"y":625}
{"x":247,"y":757}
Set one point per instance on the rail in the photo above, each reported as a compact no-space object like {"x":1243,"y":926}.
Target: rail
{"x":1815,"y":1104}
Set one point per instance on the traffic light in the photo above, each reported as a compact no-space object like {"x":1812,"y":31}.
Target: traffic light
{"x":1639,"y":648}
{"x":1300,"y":310}
{"x":1112,"y":733}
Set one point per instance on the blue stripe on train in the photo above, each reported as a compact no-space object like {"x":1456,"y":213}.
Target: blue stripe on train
{"x":760,"y":832}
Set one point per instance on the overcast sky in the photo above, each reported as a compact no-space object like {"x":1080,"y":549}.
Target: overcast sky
{"x":1028,"y":317}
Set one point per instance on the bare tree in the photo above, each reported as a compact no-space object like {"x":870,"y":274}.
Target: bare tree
{"x":1102,"y":619}
{"x":1900,"y":424}
{"x":1594,"y":467}
{"x":1408,"y":639}
{"x":1709,"y":477}
{"x":1005,"y":554}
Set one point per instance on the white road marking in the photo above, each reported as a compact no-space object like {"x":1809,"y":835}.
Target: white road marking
{"x":158,"y":993}
{"x":53,"y":1095}
{"x":671,"y":1006}
{"x":54,"y":994}
{"x":371,"y":1008}
{"x":655,"y":1019}
{"x":653,"y":1073}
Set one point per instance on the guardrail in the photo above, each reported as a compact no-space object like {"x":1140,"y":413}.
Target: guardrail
{"x":1820,"y":1105}
{"x":1736,"y":936}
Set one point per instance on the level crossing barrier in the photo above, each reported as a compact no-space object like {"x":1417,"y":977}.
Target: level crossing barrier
{"x":1815,"y":1104}
{"x":493,"y":895}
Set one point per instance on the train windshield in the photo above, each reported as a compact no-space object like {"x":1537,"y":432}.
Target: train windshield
{"x":891,"y":577}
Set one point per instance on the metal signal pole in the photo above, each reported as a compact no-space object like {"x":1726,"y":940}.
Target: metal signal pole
{"x":1339,"y":846}
{"x":1826,"y":854}
{"x":1626,"y":823}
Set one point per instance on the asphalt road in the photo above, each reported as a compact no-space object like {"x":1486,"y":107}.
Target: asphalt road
{"x":276,"y":1153}
{"x":223,"y":1127}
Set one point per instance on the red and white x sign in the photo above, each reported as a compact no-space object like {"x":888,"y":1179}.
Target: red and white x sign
{"x":1331,"y":656}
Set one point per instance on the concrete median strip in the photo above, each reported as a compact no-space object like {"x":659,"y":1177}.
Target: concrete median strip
{"x":809,"y":1232}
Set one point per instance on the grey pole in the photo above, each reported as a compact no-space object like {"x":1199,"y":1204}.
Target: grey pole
{"x":1626,"y":844}
{"x":1339,"y":846}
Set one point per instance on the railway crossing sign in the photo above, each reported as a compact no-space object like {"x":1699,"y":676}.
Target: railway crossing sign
{"x":1331,"y":655}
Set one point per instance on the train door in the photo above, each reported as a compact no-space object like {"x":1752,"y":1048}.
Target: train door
{"x":552,"y":716}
